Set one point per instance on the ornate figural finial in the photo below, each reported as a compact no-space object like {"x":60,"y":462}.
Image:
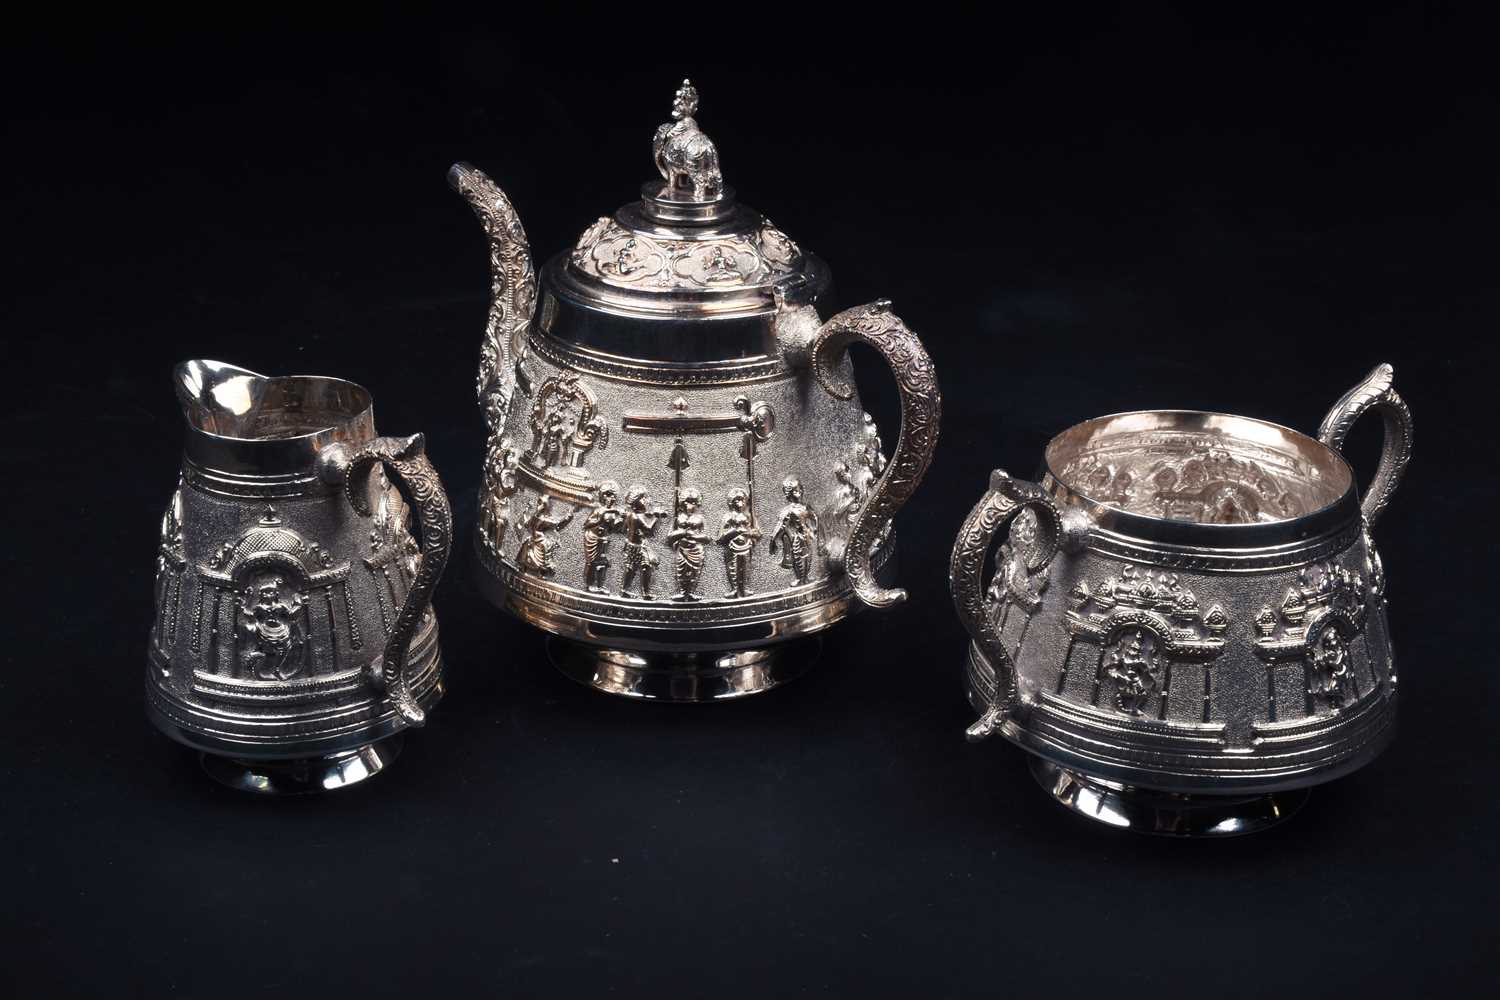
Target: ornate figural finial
{"x":685,"y":101}
{"x":685,"y":156}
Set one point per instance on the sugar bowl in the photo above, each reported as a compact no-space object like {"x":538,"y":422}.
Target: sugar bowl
{"x":1186,"y":622}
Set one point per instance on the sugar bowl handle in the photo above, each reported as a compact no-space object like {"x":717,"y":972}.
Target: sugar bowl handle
{"x":415,"y":474}
{"x":921,"y":410}
{"x":997,"y":509}
{"x":1374,"y":393}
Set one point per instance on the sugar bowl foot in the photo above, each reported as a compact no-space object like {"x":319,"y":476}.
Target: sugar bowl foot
{"x":1168,"y":814}
{"x":684,"y":677}
{"x":304,"y":775}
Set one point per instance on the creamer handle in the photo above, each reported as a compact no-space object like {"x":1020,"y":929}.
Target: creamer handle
{"x":921,"y":410}
{"x":415,"y":474}
{"x":1374,"y":393}
{"x":995,"y":511}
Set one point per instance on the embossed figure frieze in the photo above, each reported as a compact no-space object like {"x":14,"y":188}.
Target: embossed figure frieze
{"x":689,"y":533}
{"x":613,"y":254}
{"x":1134,"y":663}
{"x":856,"y":476}
{"x":265,"y":580}
{"x":1191,"y":477}
{"x":170,"y":563}
{"x":565,"y":423}
{"x":738,"y":536}
{"x":501,"y":468}
{"x":538,"y":542}
{"x":565,"y":426}
{"x":394,"y":553}
{"x":271,"y":619}
{"x":606,"y":518}
{"x":1143,"y":622}
{"x":641,"y":517}
{"x":754,"y":422}
{"x":1316,"y":621}
{"x":797,"y":533}
{"x":687,"y":538}
{"x":1017,"y":580}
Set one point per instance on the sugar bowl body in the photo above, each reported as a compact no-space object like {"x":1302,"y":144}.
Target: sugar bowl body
{"x":680,"y":480}
{"x":294,"y":641}
{"x":1186,"y":623}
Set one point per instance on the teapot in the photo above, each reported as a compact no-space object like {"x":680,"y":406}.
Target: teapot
{"x":294,"y":641}
{"x":680,"y":483}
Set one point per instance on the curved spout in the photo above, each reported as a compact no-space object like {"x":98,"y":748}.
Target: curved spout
{"x":512,"y":290}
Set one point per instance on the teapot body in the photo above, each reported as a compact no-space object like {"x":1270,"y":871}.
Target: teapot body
{"x":293,"y":640}
{"x":633,"y":507}
{"x":1186,"y":623}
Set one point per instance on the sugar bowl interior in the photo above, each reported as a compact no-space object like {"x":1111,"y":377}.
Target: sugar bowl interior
{"x":1186,"y":624}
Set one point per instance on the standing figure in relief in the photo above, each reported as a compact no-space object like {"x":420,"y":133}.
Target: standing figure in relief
{"x":797,"y":532}
{"x":640,"y":524}
{"x":272,"y":630}
{"x":850,"y":495}
{"x":687,"y":538}
{"x":738,"y":536}
{"x":537,"y":547}
{"x":607,"y":518}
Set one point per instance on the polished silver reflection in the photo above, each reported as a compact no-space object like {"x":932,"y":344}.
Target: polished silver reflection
{"x":679,"y":473}
{"x":294,"y":638}
{"x":1186,"y":621}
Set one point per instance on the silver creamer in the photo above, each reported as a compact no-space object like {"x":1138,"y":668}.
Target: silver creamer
{"x":294,"y":640}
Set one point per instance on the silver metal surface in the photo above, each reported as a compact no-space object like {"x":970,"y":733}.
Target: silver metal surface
{"x":1165,"y":814}
{"x":684,"y":677}
{"x":678,"y":464}
{"x":1188,"y":604}
{"x":294,"y":635}
{"x":304,"y":775}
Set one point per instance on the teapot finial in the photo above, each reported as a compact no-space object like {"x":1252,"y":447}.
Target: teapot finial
{"x":687,"y":159}
{"x":685,"y":102}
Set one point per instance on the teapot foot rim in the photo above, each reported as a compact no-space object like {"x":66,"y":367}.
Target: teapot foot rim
{"x":684,"y":677}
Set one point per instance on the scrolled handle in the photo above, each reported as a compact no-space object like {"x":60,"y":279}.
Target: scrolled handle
{"x":1375,"y":392}
{"x":921,"y":411}
{"x":1006,"y":499}
{"x":405,"y":457}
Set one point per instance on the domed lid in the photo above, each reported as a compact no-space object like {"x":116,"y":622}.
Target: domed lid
{"x":687,"y":249}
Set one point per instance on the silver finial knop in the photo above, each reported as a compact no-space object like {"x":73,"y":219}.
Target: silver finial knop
{"x":687,"y":159}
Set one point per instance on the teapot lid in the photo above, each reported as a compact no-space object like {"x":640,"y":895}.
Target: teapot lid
{"x":687,"y":249}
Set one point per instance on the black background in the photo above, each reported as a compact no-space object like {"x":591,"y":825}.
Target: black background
{"x":1083,"y":212}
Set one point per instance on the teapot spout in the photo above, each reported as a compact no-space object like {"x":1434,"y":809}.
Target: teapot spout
{"x":512,"y":290}
{"x":215,"y":395}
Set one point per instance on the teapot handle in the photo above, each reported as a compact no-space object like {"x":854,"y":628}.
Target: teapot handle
{"x":921,"y":410}
{"x":1004,"y":501}
{"x":1374,"y":393}
{"x":405,"y":457}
